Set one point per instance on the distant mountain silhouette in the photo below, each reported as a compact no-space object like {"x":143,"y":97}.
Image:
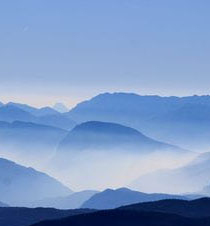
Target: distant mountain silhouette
{"x":60,"y":107}
{"x":108,"y":107}
{"x":29,"y":140}
{"x":110,"y":199}
{"x":98,"y":136}
{"x":46,"y":111}
{"x":24,"y":107}
{"x":19,"y":184}
{"x":190,"y":178}
{"x":46,"y":115}
{"x":188,"y":113}
{"x":176,"y":120}
{"x":73,"y":201}
{"x":10,"y":113}
{"x":18,"y":216}
{"x":109,"y":149}
{"x":188,"y":126}
{"x":34,"y":111}
{"x":182,"y":121}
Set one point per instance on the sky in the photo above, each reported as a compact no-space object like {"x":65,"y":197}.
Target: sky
{"x":68,"y":51}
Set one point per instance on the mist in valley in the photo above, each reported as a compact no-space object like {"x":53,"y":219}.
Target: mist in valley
{"x":161,"y":156}
{"x":104,"y":113}
{"x":94,"y":169}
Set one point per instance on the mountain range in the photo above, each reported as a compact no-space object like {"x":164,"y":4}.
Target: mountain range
{"x":111,"y":199}
{"x":19,"y":184}
{"x":170,"y":212}
{"x":10,"y":113}
{"x":183,"y":121}
{"x":95,"y":135}
{"x":127,"y":127}
{"x":165,"y":212}
{"x":113,"y":150}
{"x":47,"y":116}
{"x":72,"y":201}
{"x":34,"y":111}
{"x":29,"y":142}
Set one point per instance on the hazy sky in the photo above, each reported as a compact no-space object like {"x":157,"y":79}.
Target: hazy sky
{"x":70,"y":50}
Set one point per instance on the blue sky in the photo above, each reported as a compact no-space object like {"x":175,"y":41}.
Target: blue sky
{"x":68,"y":51}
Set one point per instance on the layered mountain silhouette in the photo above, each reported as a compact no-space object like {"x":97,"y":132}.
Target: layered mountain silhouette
{"x":10,"y":113}
{"x":183,"y":121}
{"x":109,"y":107}
{"x":188,"y":126}
{"x":73,"y":201}
{"x":125,"y":218}
{"x":19,"y":184}
{"x":112,"y":149}
{"x":47,"y":116}
{"x":34,"y":111}
{"x":190,"y":178}
{"x":19,"y":216}
{"x":29,"y":141}
{"x":123,"y":108}
{"x":165,"y":212}
{"x":171,"y":212}
{"x":110,"y":199}
{"x":95,"y":135}
{"x":108,"y":139}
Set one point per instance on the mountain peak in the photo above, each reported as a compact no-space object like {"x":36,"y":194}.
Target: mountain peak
{"x":106,"y":127}
{"x":96,"y":135}
{"x":110,"y":198}
{"x":60,"y":107}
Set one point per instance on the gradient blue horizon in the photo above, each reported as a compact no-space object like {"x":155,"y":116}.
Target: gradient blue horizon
{"x":68,"y":51}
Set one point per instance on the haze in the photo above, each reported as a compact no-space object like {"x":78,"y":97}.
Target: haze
{"x":72,"y":50}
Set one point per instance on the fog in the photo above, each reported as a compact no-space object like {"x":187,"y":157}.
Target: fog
{"x":100,"y":170}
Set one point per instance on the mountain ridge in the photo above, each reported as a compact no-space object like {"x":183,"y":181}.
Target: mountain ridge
{"x":150,"y":115}
{"x":15,"y":178}
{"x":111,"y":199}
{"x":183,"y":213}
{"x":111,"y":135}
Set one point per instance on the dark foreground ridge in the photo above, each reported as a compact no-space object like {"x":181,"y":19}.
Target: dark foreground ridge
{"x":161,"y":213}
{"x":17,"y":216}
{"x":127,"y":218}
